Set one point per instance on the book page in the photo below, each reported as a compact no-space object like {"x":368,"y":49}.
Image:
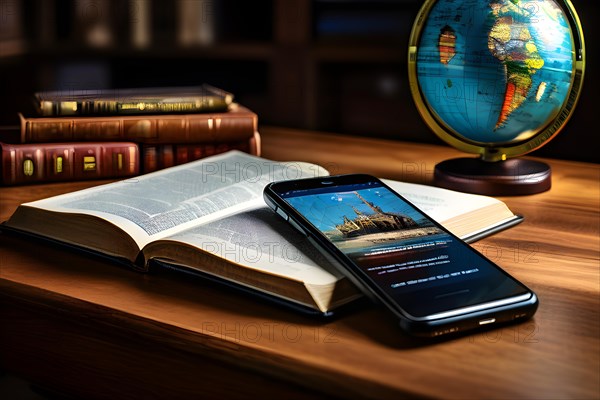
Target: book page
{"x":161,"y":203}
{"x":468,"y":216}
{"x":440,"y":204}
{"x":261,"y":240}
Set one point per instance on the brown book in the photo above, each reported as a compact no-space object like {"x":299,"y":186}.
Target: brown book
{"x":159,"y":156}
{"x":235,"y":124}
{"x":53,"y":162}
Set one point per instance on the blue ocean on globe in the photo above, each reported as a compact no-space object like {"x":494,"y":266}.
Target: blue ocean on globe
{"x":495,"y":71}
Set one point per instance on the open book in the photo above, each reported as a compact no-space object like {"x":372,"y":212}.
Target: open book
{"x":209,"y":217}
{"x":469,"y":216}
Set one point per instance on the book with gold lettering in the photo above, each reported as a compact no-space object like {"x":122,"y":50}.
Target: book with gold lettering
{"x":208,"y":218}
{"x":237,"y":123}
{"x":134,"y":101}
{"x":59,"y":162}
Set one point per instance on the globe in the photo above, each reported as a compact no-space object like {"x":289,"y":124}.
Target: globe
{"x":498,"y":78}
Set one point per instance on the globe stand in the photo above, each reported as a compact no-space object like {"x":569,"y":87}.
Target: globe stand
{"x":501,"y":178}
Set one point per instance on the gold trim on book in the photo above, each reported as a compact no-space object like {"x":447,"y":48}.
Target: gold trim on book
{"x":28,"y":167}
{"x":119,"y":161}
{"x":58,"y":165}
{"x":89,"y":163}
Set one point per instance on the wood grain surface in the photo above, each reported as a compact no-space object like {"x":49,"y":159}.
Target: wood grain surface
{"x":85,"y":327}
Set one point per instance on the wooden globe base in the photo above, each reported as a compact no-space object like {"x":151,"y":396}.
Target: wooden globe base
{"x":502,"y":178}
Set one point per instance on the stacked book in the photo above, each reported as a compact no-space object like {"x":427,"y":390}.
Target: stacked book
{"x":93,"y":134}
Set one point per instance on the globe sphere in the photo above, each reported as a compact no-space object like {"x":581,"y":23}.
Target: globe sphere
{"x":496,"y":77}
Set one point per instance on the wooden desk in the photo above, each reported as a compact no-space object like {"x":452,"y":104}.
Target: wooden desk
{"x":88,"y":328}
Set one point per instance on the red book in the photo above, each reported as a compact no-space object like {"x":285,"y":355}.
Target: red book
{"x":53,"y":162}
{"x":161,"y":156}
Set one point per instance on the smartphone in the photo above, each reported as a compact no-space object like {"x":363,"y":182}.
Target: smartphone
{"x":428,"y":278}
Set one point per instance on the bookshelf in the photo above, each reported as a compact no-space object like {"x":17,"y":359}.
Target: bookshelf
{"x":328,"y":65}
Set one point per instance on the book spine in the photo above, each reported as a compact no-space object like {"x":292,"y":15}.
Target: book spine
{"x":134,"y":106}
{"x":93,"y":23}
{"x":154,"y":129}
{"x":196,"y":25}
{"x":141,"y":25}
{"x":150,"y":100}
{"x":12,"y":34}
{"x":161,"y":156}
{"x":49,"y":162}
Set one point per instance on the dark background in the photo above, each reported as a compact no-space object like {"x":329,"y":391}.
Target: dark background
{"x":328,"y":65}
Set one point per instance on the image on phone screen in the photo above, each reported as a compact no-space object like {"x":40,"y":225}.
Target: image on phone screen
{"x":417,"y":263}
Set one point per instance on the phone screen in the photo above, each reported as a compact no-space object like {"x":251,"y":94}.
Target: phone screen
{"x":413,"y":260}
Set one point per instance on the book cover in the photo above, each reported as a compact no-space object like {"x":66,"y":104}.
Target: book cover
{"x":133,"y":101}
{"x":235,"y":124}
{"x":26,"y":163}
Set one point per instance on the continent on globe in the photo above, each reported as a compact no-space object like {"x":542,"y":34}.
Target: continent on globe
{"x":447,"y":44}
{"x":493,"y":72}
{"x":510,"y":41}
